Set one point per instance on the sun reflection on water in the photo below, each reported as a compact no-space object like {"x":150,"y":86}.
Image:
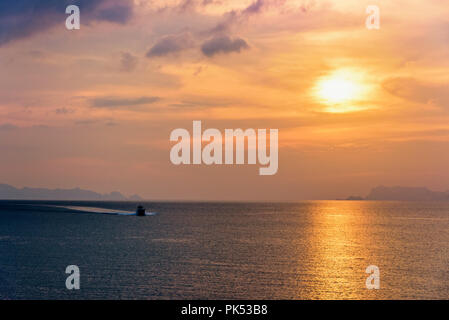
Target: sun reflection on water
{"x":340,"y":251}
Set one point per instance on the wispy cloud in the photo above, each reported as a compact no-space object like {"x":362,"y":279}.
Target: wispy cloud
{"x":128,"y":62}
{"x":63,"y":111}
{"x":7,"y":126}
{"x":113,"y":102}
{"x":239,"y":16}
{"x":418,"y":91}
{"x":171,"y":44}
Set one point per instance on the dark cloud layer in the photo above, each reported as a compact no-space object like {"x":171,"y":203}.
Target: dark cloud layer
{"x":223,"y":44}
{"x":120,"y":13}
{"x":24,"y":18}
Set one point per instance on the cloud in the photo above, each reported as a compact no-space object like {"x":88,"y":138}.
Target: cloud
{"x":63,"y":111}
{"x":118,"y":14}
{"x":111,"y":102}
{"x":201,"y":102}
{"x":239,"y":16}
{"x":187,"y":5}
{"x":418,"y":91}
{"x":7,"y":126}
{"x":111,"y":124}
{"x":24,"y":18}
{"x":128,"y":62}
{"x":171,"y":44}
{"x":85,"y":122}
{"x":255,"y":7}
{"x":223,"y":44}
{"x":192,"y":104}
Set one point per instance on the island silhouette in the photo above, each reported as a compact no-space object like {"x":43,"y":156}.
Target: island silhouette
{"x":380,"y":193}
{"x":399,"y":193}
{"x":8,"y":192}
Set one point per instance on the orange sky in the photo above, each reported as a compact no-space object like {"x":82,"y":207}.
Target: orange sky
{"x":355,"y":108}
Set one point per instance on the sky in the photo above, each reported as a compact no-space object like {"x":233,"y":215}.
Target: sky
{"x":355,"y":108}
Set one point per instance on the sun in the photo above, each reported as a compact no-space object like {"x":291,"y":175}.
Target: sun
{"x":337,"y":90}
{"x":340,"y":90}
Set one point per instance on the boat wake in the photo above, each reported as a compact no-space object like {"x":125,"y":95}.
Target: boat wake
{"x":104,"y":211}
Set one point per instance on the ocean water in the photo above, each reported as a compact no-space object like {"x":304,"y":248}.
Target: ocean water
{"x":306,"y":250}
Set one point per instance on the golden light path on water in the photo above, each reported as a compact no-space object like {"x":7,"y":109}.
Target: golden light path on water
{"x":340,"y":248}
{"x":404,"y":240}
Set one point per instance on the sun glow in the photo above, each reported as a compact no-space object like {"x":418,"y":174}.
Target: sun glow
{"x":340,"y":91}
{"x":337,"y":90}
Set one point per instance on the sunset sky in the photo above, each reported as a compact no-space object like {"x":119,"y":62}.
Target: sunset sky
{"x":355,"y":108}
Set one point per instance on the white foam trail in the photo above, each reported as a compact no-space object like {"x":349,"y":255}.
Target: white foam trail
{"x":104,"y":211}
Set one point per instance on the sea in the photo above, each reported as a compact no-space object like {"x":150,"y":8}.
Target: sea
{"x":209,"y":250}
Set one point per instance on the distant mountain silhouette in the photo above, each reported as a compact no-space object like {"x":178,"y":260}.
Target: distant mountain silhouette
{"x":8,"y":192}
{"x":406,"y":194}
